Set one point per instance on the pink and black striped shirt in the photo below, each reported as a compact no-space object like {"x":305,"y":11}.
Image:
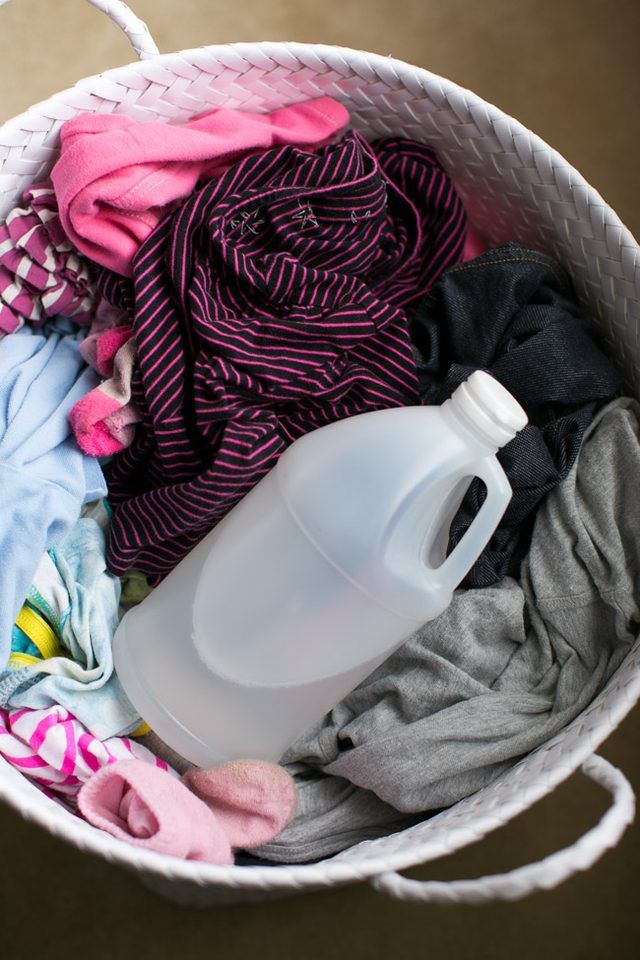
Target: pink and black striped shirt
{"x":271,"y":303}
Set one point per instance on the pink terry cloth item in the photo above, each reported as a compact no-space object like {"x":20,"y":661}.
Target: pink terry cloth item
{"x":106,"y":318}
{"x":108,"y":346}
{"x":140,"y":804}
{"x":104,"y":420}
{"x":116,"y":176}
{"x":41,"y":274}
{"x":252,"y":799}
{"x":59,"y":754}
{"x":474,"y":244}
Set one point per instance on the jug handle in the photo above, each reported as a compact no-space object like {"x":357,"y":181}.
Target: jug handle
{"x":457,"y":565}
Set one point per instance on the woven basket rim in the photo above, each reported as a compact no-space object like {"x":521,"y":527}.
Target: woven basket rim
{"x":405,"y":73}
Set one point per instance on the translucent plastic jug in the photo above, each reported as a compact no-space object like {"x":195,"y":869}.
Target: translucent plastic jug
{"x":316,"y":576}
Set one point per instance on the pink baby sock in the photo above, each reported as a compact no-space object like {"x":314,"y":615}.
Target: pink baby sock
{"x":106,"y":318}
{"x":253,"y":800}
{"x":104,"y":420}
{"x":240,"y":804}
{"x":141,"y":804}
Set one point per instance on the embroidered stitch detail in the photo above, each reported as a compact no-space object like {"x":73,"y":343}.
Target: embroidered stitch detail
{"x":247,"y":221}
{"x":304,"y":214}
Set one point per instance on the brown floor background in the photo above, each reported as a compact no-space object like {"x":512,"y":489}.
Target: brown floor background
{"x":569,"y":70}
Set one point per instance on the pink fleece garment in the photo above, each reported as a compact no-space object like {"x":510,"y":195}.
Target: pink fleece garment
{"x":254,"y":800}
{"x":116,"y":176}
{"x":146,"y":807}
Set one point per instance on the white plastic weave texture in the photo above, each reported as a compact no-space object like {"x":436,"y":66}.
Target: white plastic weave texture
{"x":515,"y":187}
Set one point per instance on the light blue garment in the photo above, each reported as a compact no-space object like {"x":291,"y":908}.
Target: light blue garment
{"x":44,"y":477}
{"x":80,"y":599}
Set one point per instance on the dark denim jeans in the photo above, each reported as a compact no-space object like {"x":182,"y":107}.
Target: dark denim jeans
{"x":512,"y":312}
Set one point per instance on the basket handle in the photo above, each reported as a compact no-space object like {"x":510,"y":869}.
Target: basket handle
{"x":136,"y":30}
{"x":544,"y":875}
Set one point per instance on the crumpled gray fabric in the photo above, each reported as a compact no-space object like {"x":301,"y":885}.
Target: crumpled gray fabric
{"x":503,"y":669}
{"x":332,"y":814}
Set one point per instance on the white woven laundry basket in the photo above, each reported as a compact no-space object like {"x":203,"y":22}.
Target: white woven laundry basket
{"x":514,"y":187}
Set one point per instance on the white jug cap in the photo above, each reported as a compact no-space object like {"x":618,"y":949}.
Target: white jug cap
{"x":489,"y":407}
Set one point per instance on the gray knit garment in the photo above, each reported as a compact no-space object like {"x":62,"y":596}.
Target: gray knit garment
{"x":496,"y":675}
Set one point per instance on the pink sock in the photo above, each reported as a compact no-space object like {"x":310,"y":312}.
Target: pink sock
{"x":108,"y":346}
{"x":104,"y":420}
{"x":252,"y":799}
{"x":107,"y":317}
{"x":141,"y":804}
